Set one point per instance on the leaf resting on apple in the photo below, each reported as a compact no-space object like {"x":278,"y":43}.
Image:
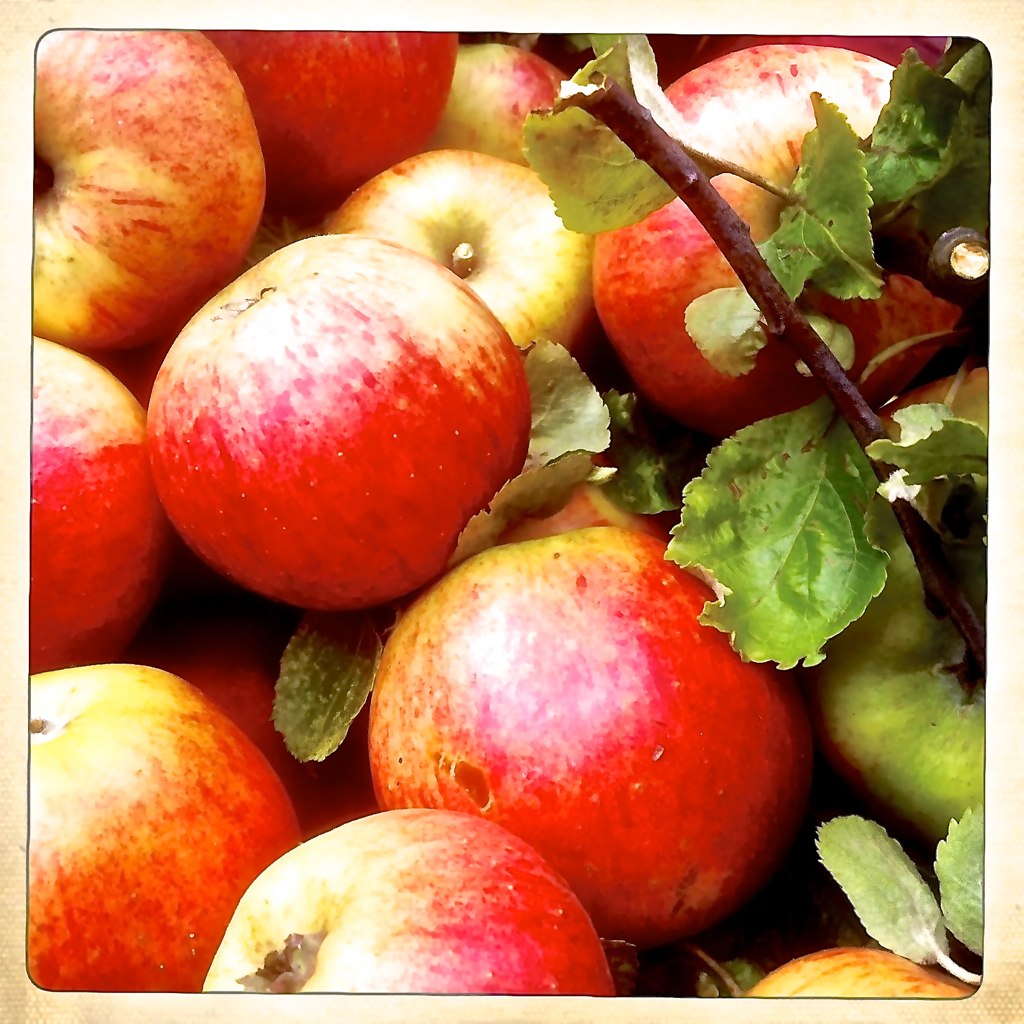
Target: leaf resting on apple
{"x":887,"y":891}
{"x":570,"y":424}
{"x":327,"y":672}
{"x":825,"y":237}
{"x":891,"y":897}
{"x":596,"y":182}
{"x":928,"y":162}
{"x":776,"y":520}
{"x":959,"y":863}
{"x":933,"y":443}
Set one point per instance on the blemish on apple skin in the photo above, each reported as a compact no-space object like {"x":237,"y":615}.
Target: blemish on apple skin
{"x":468,"y":777}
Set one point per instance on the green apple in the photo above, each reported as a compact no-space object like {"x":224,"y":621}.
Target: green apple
{"x":890,"y":711}
{"x":494,"y":224}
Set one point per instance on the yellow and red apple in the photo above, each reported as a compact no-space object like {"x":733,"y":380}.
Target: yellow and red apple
{"x":494,"y":88}
{"x":99,"y":537}
{"x":858,"y":973}
{"x":563,"y":688}
{"x":149,"y":184}
{"x":324,"y":428}
{"x":408,"y":901}
{"x":150,"y":813}
{"x":493,"y":223}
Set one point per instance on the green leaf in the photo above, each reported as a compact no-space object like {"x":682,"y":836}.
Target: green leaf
{"x":538,"y":491}
{"x":929,"y":155}
{"x":892,"y":900}
{"x":652,"y":455}
{"x":595,"y":181}
{"x":327,"y":672}
{"x":745,"y":973}
{"x":825,"y":237}
{"x":836,"y":336}
{"x":569,"y":414}
{"x":910,"y":143}
{"x":570,"y":424}
{"x":776,"y":521}
{"x":960,"y":868}
{"x":933,"y":443}
{"x":725,"y":324}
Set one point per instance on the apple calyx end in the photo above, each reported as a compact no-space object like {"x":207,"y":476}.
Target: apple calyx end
{"x":286,"y":970}
{"x":41,"y":729}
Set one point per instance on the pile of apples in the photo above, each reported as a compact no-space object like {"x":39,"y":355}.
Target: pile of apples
{"x":284,"y":283}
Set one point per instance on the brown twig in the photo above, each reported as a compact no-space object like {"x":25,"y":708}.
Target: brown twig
{"x":635,"y":126}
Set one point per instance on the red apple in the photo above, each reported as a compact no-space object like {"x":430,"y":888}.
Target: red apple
{"x":752,"y":107}
{"x":99,"y":538}
{"x":335,"y":108}
{"x":324,"y":428}
{"x":588,"y":505}
{"x":233,"y":656}
{"x":887,"y":48}
{"x":150,"y":812}
{"x":413,"y":901}
{"x":563,"y":688}
{"x":905,"y":310}
{"x":847,"y":973}
{"x":492,"y":223}
{"x":149,"y":184}
{"x":494,"y":87}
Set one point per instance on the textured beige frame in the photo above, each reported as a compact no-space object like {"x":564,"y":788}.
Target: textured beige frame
{"x":999,"y":24}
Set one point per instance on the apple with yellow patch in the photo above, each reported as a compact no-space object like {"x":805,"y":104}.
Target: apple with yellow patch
{"x":324,"y":428}
{"x":150,"y":813}
{"x":851,"y":973}
{"x":149,"y":183}
{"x":493,"y":223}
{"x":494,"y":88}
{"x":752,"y":107}
{"x":410,"y":901}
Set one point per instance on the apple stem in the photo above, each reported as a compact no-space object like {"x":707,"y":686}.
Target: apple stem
{"x":727,"y":980}
{"x":635,"y":126}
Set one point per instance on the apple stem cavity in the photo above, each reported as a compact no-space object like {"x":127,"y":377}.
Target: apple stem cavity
{"x":286,"y":970}
{"x":43,"y":179}
{"x":635,"y":126}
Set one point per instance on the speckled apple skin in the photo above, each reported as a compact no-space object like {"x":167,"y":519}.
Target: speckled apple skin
{"x":335,"y":108}
{"x":752,"y":107}
{"x":150,"y":813}
{"x":563,"y":688}
{"x":324,"y":428}
{"x":233,"y":655}
{"x":159,"y":183}
{"x":99,"y":537}
{"x":533,"y":273}
{"x":427,"y":901}
{"x":855,"y":973}
{"x":494,"y":88}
